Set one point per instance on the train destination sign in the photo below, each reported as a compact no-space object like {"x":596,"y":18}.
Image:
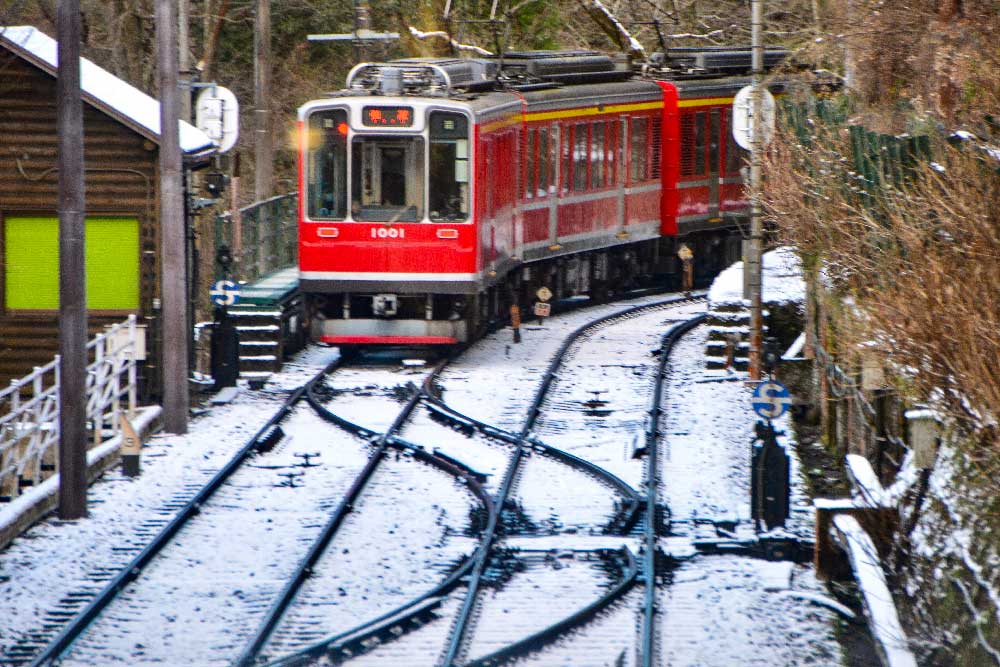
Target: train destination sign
{"x":387,"y":116}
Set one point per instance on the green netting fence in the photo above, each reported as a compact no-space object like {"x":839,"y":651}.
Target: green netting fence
{"x":261,"y":237}
{"x":878,"y":162}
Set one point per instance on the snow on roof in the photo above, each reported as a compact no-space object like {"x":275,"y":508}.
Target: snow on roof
{"x":101,"y":88}
{"x":781,"y":282}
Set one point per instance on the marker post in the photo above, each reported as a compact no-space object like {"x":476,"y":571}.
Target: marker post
{"x":769,"y":463}
{"x":130,"y":450}
{"x":225,"y":337}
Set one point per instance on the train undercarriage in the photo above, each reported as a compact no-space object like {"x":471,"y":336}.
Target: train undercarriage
{"x":402,"y":318}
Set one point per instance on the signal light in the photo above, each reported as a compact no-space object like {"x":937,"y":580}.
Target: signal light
{"x":215,"y":184}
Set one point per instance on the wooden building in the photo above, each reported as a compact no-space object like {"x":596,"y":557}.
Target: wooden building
{"x":121,"y":137}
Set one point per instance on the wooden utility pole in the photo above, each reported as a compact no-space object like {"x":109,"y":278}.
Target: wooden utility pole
{"x":173,"y":316}
{"x":263,"y":150}
{"x":362,"y":33}
{"x":72,"y":270}
{"x":184,"y":60}
{"x":753,"y":265}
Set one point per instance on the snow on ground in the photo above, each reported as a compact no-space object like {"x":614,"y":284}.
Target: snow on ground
{"x":782,"y":279}
{"x":725,"y":604}
{"x":723,"y":610}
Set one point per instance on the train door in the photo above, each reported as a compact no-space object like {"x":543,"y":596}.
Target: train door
{"x":714,"y":174}
{"x":388,"y":174}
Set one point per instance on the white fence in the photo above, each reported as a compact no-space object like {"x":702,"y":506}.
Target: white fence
{"x":29,"y":408}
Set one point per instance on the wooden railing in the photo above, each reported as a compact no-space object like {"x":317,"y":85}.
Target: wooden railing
{"x":29,"y":408}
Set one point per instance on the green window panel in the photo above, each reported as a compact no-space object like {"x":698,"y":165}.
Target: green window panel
{"x":32,"y":263}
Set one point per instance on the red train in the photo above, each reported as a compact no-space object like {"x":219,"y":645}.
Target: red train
{"x":436,"y":193}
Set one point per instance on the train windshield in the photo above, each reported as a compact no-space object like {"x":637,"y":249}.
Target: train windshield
{"x":388,"y":178}
{"x":326,"y":166}
{"x":449,"y":166}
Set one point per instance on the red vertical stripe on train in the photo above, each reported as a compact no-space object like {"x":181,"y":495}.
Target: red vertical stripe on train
{"x":670,"y":158}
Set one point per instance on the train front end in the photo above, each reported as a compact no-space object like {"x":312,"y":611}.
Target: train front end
{"x":387,"y":246}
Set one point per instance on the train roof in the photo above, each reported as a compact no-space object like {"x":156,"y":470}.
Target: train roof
{"x":595,"y":93}
{"x":555,"y":79}
{"x":527,"y":71}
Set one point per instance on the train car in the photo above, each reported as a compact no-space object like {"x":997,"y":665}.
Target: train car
{"x":435,"y":193}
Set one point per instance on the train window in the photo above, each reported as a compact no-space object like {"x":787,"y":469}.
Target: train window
{"x":713,"y":141}
{"x":326,"y":165}
{"x":699,"y":142}
{"x":610,"y":152}
{"x":490,"y":158}
{"x":620,"y":152}
{"x":529,"y":160}
{"x":387,"y":178}
{"x":544,"y":163}
{"x":597,"y":155}
{"x":566,"y":173}
{"x":640,"y":142}
{"x":580,"y":157}
{"x":687,"y":145}
{"x":448,"y":195}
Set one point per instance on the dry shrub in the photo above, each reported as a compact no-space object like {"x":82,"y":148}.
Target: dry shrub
{"x":920,"y":259}
{"x":934,"y":57}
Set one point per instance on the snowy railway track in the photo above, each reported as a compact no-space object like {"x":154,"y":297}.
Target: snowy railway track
{"x":594,"y":576}
{"x":105,"y":630}
{"x":548,"y":540}
{"x":305,"y":621}
{"x":565,"y":501}
{"x":80,"y":608}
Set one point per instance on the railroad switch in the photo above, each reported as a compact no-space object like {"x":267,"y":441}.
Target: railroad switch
{"x":773,"y":548}
{"x":290,"y":480}
{"x":596,"y":407}
{"x":307,"y":459}
{"x":638,"y":451}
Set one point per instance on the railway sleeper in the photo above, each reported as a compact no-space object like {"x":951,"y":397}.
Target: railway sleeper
{"x":391,"y":628}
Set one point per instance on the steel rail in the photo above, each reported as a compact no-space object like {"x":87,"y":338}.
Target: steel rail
{"x":454,"y":646}
{"x":621,"y":523}
{"x":413,"y":608}
{"x":652,"y":486}
{"x":547,"y":634}
{"x":305,"y":566}
{"x":262,"y":438}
